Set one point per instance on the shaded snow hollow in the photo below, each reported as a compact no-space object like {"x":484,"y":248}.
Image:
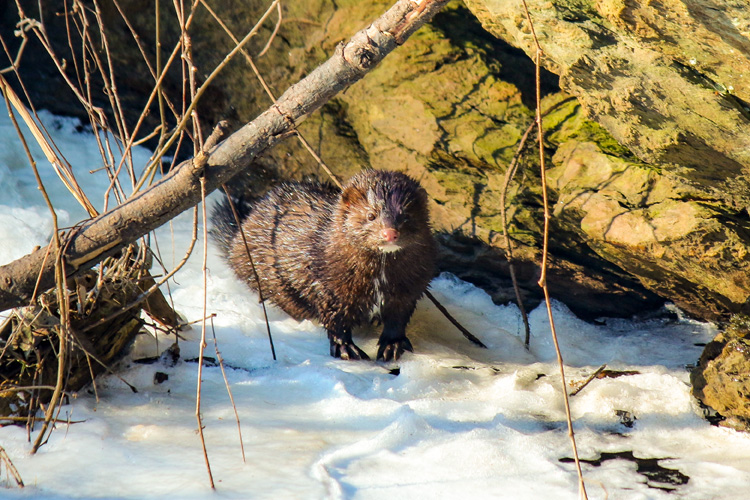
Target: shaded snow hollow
{"x":456,"y":422}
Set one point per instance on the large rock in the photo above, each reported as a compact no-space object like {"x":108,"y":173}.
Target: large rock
{"x":651,"y":222}
{"x":721,"y":380}
{"x":670,"y":80}
{"x":649,"y":203}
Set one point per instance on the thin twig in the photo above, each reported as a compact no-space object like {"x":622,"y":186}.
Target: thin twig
{"x":509,"y":174}
{"x":187,"y":57}
{"x":27,"y":388}
{"x":252,"y":266}
{"x":545,"y":253}
{"x":203,"y":338}
{"x":34,"y":399}
{"x":157,"y":85}
{"x":198,"y":93}
{"x":25,"y":26}
{"x":589,"y":379}
{"x":63,"y":305}
{"x":200,"y":157}
{"x":453,"y":320}
{"x":91,"y":371}
{"x":220,"y":360}
{"x":220,"y":131}
{"x":11,"y":468}
{"x":16,"y":418}
{"x":273,"y":34}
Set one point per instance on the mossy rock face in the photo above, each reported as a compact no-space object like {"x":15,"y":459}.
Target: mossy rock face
{"x":652,"y":222}
{"x":722,"y":378}
{"x":669,"y":80}
{"x":645,"y":209}
{"x":672,"y":208}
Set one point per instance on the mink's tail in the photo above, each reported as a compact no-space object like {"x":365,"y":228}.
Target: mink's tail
{"x":224,"y":225}
{"x":244,"y":189}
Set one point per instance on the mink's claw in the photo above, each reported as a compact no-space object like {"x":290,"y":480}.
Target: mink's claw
{"x":394,"y":350}
{"x":346,"y":350}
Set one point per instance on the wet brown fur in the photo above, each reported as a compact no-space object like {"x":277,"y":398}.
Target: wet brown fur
{"x":319,"y":254}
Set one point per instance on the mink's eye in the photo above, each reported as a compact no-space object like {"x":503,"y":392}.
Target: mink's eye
{"x":371,"y":216}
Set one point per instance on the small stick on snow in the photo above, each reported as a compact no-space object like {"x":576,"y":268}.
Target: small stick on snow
{"x":458,"y":325}
{"x":589,"y":379}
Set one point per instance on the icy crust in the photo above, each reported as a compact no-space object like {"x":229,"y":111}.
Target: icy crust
{"x":457,"y":420}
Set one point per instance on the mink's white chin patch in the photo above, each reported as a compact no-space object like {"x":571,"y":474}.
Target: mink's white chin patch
{"x":389,"y":248}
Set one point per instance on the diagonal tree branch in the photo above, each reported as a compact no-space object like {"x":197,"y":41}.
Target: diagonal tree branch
{"x":95,"y":239}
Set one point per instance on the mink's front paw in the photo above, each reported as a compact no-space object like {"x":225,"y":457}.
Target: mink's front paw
{"x":392,"y":351}
{"x":346,"y":350}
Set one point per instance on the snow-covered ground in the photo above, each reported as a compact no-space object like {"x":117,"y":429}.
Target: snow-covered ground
{"x":455,"y":421}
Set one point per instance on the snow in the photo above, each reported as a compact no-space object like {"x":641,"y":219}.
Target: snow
{"x":457,"y":421}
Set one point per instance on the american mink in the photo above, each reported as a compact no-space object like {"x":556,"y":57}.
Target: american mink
{"x":339,"y":257}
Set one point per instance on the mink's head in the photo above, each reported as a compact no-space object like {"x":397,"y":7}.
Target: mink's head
{"x":384,"y":211}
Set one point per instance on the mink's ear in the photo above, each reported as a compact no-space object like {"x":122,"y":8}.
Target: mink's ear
{"x":352,"y":195}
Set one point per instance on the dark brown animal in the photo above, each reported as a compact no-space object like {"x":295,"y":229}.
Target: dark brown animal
{"x":342,"y":258}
